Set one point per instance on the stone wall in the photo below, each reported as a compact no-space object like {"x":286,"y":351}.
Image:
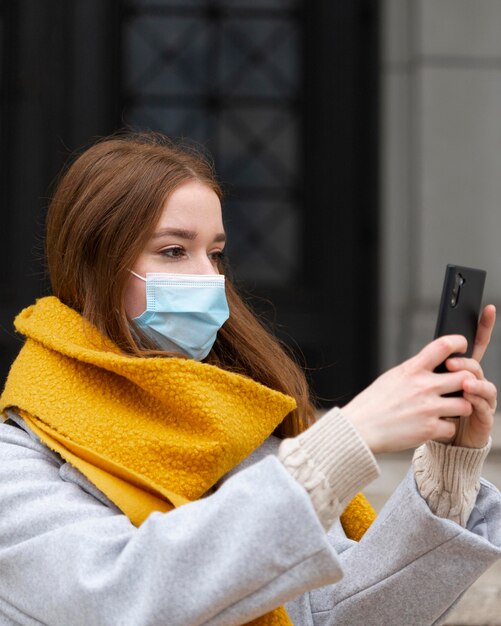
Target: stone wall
{"x":441,"y":162}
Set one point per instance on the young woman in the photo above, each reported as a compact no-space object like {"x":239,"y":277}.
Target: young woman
{"x":159,"y":463}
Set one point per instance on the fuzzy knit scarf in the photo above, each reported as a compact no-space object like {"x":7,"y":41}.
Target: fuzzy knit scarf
{"x":150,"y":433}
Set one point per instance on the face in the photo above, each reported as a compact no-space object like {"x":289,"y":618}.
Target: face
{"x":188,"y":239}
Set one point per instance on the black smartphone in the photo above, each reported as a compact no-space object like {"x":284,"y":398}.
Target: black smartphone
{"x":460,"y":305}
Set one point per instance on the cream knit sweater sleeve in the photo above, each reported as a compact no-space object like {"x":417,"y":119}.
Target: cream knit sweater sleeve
{"x":333,"y":463}
{"x":448,"y":478}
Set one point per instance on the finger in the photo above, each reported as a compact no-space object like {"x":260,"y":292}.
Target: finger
{"x":483,"y":411}
{"x":445,"y":431}
{"x":450,"y":382}
{"x":462,"y":363}
{"x":435,"y":353}
{"x":483,"y":389}
{"x":456,"y":406}
{"x":484,"y":331}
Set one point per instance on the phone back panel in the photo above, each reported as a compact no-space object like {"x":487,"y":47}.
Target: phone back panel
{"x":460,"y":308}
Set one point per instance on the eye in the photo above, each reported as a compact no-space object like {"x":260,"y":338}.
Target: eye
{"x":217,"y":256}
{"x":174,"y":252}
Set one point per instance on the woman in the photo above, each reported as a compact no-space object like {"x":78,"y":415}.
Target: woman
{"x":158,"y":464}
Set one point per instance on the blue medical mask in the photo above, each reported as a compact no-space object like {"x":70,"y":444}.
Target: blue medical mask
{"x":184,"y":312}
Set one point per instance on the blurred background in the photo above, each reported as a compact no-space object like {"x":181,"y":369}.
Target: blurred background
{"x":358,"y":142}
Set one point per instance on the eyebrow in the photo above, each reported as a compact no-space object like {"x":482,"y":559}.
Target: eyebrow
{"x":185,"y":234}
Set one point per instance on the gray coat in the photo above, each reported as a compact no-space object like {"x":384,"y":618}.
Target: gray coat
{"x":69,"y":557}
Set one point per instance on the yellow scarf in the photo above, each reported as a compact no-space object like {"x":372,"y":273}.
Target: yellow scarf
{"x":150,"y":433}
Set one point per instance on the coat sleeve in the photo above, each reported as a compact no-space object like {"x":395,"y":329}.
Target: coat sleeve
{"x":411,"y":566}
{"x":67,"y":557}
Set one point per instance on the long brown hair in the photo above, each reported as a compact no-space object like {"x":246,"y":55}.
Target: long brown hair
{"x":104,"y":210}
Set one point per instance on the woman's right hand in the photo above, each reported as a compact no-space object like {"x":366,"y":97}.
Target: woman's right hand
{"x":403,"y":407}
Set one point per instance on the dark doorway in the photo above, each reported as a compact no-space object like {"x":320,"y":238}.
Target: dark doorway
{"x":283,"y":93}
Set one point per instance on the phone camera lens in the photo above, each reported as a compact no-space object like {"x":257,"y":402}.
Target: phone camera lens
{"x":453,"y":301}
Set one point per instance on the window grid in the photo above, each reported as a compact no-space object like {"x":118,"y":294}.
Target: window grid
{"x":227,"y":74}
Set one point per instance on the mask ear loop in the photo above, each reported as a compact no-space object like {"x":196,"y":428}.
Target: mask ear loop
{"x":137,"y":276}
